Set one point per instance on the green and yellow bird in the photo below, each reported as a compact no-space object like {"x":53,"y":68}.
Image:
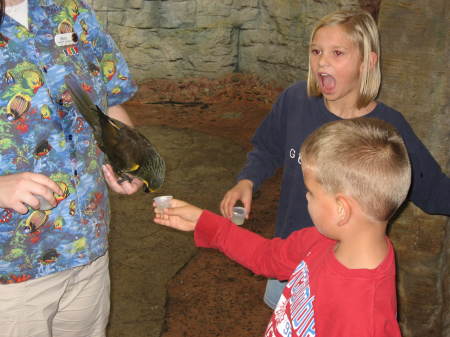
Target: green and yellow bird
{"x":128,"y":151}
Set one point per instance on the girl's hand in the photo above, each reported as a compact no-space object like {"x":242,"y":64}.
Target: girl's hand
{"x":241,"y":191}
{"x":180,"y":215}
{"x":125,"y":187}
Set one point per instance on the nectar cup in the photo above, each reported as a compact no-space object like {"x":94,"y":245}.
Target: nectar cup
{"x":238,"y":215}
{"x":163,"y":201}
{"x":44,"y":205}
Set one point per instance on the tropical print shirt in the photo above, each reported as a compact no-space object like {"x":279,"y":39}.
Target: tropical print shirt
{"x":42,"y":132}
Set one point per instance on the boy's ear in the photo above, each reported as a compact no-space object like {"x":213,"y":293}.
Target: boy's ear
{"x":344,"y":209}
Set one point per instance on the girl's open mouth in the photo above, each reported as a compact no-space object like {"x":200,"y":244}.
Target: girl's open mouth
{"x":327,"y":83}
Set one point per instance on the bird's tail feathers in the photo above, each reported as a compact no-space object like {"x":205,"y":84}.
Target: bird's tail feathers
{"x":83,"y":102}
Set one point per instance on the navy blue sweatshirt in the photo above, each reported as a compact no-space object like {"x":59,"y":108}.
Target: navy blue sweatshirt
{"x":294,"y":116}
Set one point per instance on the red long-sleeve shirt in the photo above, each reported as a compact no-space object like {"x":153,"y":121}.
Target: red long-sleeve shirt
{"x":322,"y":297}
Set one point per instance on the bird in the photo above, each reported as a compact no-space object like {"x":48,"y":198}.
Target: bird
{"x":128,"y":151}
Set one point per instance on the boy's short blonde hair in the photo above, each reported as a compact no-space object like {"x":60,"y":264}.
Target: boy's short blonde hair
{"x":363,"y":30}
{"x":364,"y":158}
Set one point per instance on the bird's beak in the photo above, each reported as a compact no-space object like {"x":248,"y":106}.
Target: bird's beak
{"x":146,"y":187}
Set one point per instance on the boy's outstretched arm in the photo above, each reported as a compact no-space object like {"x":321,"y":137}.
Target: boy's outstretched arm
{"x":275,"y":258}
{"x":180,"y":215}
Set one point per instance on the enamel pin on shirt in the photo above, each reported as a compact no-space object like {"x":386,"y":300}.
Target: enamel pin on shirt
{"x":66,"y":39}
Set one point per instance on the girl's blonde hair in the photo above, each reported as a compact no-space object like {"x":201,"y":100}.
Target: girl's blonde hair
{"x":362,"y":29}
{"x":364,"y":158}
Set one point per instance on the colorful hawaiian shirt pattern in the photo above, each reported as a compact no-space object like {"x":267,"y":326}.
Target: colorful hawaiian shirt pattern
{"x":40,"y":131}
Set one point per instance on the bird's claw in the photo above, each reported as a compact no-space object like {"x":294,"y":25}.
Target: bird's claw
{"x":123,"y":178}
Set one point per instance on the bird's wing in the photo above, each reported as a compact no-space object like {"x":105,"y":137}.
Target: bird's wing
{"x":128,"y":142}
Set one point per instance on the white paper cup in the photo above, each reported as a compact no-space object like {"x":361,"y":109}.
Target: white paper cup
{"x":163,"y":201}
{"x":238,"y":215}
{"x":44,"y":205}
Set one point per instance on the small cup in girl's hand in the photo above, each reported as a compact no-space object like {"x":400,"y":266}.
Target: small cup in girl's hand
{"x":238,"y":215}
{"x":163,"y":201}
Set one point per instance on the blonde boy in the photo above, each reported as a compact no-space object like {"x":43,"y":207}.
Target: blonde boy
{"x":341,"y":273}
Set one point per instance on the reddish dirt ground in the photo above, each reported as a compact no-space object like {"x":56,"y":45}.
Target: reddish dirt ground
{"x":211,"y":295}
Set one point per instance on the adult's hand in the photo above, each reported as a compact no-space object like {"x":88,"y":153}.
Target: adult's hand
{"x":20,"y":189}
{"x":123,"y":187}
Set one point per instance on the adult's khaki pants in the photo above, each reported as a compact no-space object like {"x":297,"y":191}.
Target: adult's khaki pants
{"x":72,"y":303}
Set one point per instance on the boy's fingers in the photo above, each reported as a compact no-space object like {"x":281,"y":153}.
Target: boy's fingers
{"x":162,"y":216}
{"x":172,"y":211}
{"x":161,"y":221}
{"x":175,"y":203}
{"x":178,"y":203}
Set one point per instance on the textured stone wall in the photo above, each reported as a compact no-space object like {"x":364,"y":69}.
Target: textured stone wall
{"x":176,"y":38}
{"x":185,"y":38}
{"x":415,"y":65}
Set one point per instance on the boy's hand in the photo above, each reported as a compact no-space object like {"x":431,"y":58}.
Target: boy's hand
{"x":241,"y":191}
{"x":180,"y":215}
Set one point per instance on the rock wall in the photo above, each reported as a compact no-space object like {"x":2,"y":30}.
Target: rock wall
{"x":188,"y":38}
{"x":415,"y":65}
{"x":184,"y":38}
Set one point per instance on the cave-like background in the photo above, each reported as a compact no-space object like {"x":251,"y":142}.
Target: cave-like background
{"x":269,"y":38}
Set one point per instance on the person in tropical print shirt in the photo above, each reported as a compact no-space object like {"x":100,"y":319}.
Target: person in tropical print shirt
{"x":54,"y":208}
